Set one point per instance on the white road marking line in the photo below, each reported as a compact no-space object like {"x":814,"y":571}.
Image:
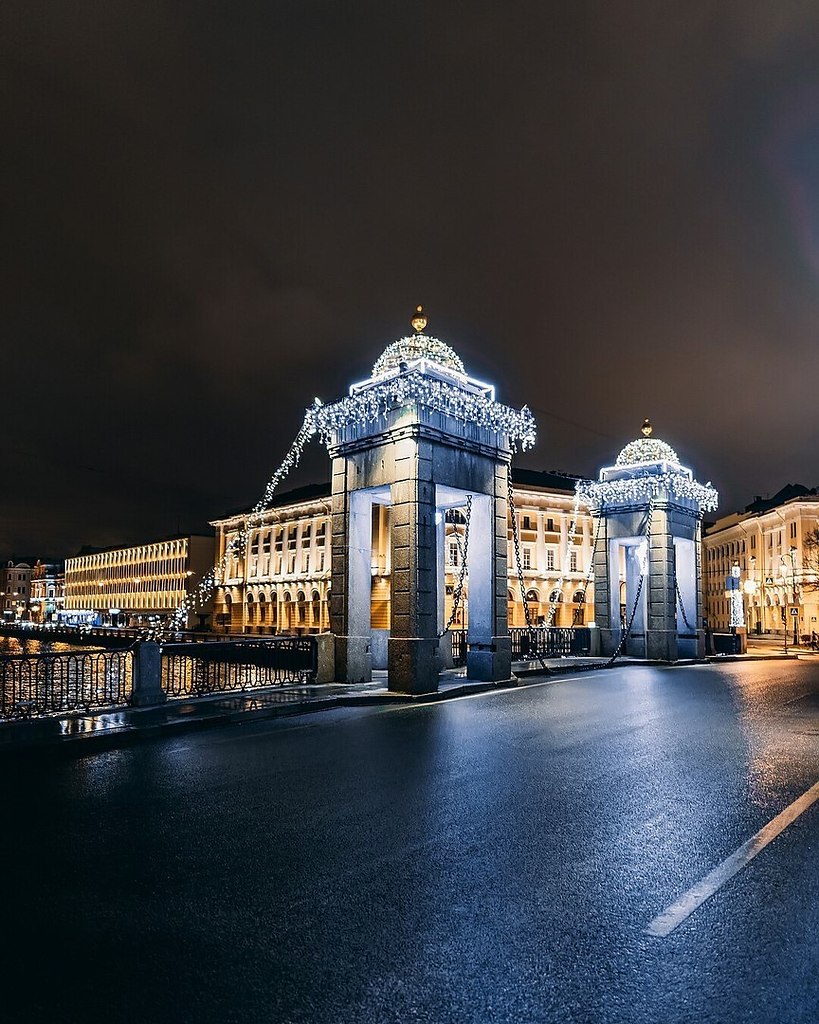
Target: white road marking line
{"x":672,"y":916}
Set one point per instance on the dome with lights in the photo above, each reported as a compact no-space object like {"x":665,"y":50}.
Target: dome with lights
{"x":646,"y":449}
{"x":418,"y":346}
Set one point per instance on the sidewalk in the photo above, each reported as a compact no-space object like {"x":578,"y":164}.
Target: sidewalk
{"x":114,"y":727}
{"x":86,"y":733}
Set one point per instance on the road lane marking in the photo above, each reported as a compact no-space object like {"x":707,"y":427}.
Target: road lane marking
{"x":672,"y":916}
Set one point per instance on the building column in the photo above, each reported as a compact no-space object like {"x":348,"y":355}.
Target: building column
{"x":412,"y":648}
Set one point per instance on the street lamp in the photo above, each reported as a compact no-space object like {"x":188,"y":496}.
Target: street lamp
{"x":794,"y":610}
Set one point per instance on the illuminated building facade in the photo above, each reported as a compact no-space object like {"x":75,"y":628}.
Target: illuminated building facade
{"x":281,"y":582}
{"x":15,"y":590}
{"x":135,"y":585}
{"x":47,"y":592}
{"x":777,"y":570}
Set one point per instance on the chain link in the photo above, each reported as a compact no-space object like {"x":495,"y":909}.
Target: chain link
{"x":626,"y":633}
{"x":459,"y":586}
{"x":682,"y":606}
{"x":580,"y":604}
{"x":530,"y":629}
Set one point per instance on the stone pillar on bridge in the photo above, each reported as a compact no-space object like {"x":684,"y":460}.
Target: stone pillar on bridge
{"x":420,"y":436}
{"x":647,"y":570}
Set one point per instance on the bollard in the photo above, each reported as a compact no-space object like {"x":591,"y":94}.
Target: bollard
{"x":147,"y":675}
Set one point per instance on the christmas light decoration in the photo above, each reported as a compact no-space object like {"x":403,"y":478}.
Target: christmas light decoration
{"x":639,"y":490}
{"x":418,"y":346}
{"x":414,"y":387}
{"x":417,"y":370}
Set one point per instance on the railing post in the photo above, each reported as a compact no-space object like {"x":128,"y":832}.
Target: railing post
{"x":147,"y":674}
{"x":325,"y":657}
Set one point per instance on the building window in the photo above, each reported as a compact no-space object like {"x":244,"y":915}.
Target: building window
{"x":526,"y":558}
{"x":453,"y":553}
{"x":527,"y":523}
{"x":550,"y":559}
{"x":550,"y":525}
{"x":572,"y":561}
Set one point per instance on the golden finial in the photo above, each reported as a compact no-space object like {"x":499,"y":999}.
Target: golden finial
{"x":419,"y":321}
{"x":646,"y":428}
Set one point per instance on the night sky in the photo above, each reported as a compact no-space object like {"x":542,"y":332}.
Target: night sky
{"x":213,"y":212}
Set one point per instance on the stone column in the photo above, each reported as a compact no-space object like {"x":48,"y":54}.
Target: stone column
{"x":413,"y":642}
{"x":662,"y":604}
{"x":489,"y":656}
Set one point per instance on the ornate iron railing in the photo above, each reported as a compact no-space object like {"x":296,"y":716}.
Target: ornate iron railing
{"x":191,"y":670}
{"x":45,"y":684}
{"x":458,"y":637}
{"x":550,"y":642}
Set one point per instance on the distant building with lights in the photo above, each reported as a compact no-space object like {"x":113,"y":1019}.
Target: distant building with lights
{"x":135,"y":585}
{"x":776,"y":572}
{"x":47,"y":591}
{"x":280,"y":582}
{"x":15,"y":590}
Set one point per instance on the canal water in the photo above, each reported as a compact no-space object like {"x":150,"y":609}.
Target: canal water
{"x":12,"y":646}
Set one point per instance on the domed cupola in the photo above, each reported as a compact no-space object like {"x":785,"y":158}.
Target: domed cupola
{"x":646,"y":449}
{"x":419,"y":346}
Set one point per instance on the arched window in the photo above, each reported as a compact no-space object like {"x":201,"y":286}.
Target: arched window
{"x":555,"y":597}
{"x":532,"y":597}
{"x":579,"y":597}
{"x":301,"y":602}
{"x":315,"y":599}
{"x":262,"y":610}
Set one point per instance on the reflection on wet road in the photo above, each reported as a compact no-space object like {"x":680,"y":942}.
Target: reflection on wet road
{"x":495,"y":858}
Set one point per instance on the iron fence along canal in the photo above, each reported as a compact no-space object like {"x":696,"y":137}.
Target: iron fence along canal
{"x":43,"y":684}
{"x":237,"y":665}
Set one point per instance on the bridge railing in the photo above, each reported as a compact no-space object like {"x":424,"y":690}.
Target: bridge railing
{"x":550,"y":642}
{"x":194,"y":669}
{"x":44,"y":684}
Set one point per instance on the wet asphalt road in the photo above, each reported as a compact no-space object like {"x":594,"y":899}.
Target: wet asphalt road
{"x":495,"y":858}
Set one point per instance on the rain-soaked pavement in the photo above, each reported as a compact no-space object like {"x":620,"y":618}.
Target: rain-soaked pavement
{"x":493,"y":858}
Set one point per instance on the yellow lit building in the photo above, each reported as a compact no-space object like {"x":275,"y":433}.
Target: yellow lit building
{"x":129,"y":586}
{"x":280,"y":582}
{"x":767,"y":542}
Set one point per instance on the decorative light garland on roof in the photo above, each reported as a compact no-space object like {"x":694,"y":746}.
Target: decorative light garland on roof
{"x":417,"y":346}
{"x":374,"y":403}
{"x":646,"y":449}
{"x":642,"y":489}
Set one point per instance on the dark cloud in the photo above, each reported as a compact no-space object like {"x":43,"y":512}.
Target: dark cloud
{"x":214,"y":212}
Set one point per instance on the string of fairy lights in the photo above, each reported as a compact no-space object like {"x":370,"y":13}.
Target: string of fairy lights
{"x":375,"y":402}
{"x":640,"y":490}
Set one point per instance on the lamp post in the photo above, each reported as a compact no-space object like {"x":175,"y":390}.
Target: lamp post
{"x":794,"y":610}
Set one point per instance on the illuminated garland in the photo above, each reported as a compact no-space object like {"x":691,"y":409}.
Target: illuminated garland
{"x":361,"y":409}
{"x":376,"y":402}
{"x":418,"y":346}
{"x":646,"y":449}
{"x":640,"y":490}
{"x":216,"y":576}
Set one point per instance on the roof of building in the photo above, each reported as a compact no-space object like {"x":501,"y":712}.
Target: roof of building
{"x":90,"y":549}
{"x":646,"y":449}
{"x":786,"y":493}
{"x":551,"y":480}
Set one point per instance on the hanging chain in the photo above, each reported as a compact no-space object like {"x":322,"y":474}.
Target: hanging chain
{"x":682,"y":606}
{"x":530,"y":629}
{"x":589,"y":573}
{"x":459,"y":586}
{"x":237,"y":547}
{"x":627,"y":628}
